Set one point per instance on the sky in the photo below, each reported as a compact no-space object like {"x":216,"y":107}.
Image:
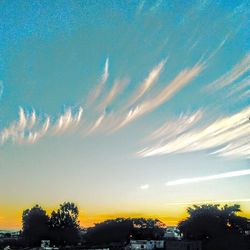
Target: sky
{"x":127,"y":108}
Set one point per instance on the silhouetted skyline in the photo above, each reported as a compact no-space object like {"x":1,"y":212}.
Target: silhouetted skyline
{"x":126,"y":108}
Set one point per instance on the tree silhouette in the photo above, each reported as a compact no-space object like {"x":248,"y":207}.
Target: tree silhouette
{"x":35,"y":225}
{"x":218,"y":227}
{"x":64,"y":224}
{"x":121,"y":229}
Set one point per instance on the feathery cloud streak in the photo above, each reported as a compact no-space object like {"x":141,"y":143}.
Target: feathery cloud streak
{"x":175,"y":127}
{"x":96,"y":124}
{"x":1,"y":88}
{"x":147,"y":83}
{"x":239,"y":148}
{"x":183,"y":78}
{"x":231,"y":129}
{"x":238,"y":70}
{"x":243,"y":85}
{"x":68,"y":120}
{"x":29,"y":128}
{"x":97,"y":91}
{"x":116,"y":90}
{"x":223,"y":137}
{"x":209,"y":202}
{"x":209,"y":177}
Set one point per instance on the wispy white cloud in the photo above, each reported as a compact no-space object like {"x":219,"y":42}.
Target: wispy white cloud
{"x":27,"y":129}
{"x":145,"y":186}
{"x":209,"y":202}
{"x":32,"y":120}
{"x":177,"y":126}
{"x":219,"y":133}
{"x":182,"y":79}
{"x":97,"y":91}
{"x":245,"y":95}
{"x":108,"y":124}
{"x":96,"y":124}
{"x":212,"y":54}
{"x":224,"y":136}
{"x":1,"y":88}
{"x":156,"y":5}
{"x":235,"y":73}
{"x":114,"y":92}
{"x":147,"y":83}
{"x":106,"y":71}
{"x":239,"y":148}
{"x":68,"y":120}
{"x":140,"y":6}
{"x":243,"y":85}
{"x":209,"y":177}
{"x":41,"y":132}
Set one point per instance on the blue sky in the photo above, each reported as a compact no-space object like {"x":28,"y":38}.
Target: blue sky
{"x":106,"y":103}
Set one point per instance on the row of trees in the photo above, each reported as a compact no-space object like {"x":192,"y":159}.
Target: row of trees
{"x":62,"y":227}
{"x":218,"y":227}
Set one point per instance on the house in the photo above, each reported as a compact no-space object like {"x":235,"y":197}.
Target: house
{"x":45,"y":245}
{"x":146,"y":244}
{"x":183,"y":245}
{"x":172,"y":233}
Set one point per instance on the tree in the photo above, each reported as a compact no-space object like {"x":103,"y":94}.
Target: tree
{"x":218,"y":227}
{"x":121,"y":229}
{"x":35,"y":225}
{"x":147,"y":229}
{"x":109,"y":231}
{"x":64,"y":224}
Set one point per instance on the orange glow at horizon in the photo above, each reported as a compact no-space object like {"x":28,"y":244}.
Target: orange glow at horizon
{"x":11,"y":219}
{"x":15,"y":222}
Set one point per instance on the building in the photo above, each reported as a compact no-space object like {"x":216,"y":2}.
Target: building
{"x":45,"y":245}
{"x":183,"y":245}
{"x":145,"y":244}
{"x":172,"y":233}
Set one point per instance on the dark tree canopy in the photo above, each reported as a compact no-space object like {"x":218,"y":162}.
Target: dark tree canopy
{"x":121,"y":229}
{"x":61,"y":228}
{"x":64,"y":224}
{"x":218,"y":227}
{"x":35,"y":225}
{"x":215,"y":226}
